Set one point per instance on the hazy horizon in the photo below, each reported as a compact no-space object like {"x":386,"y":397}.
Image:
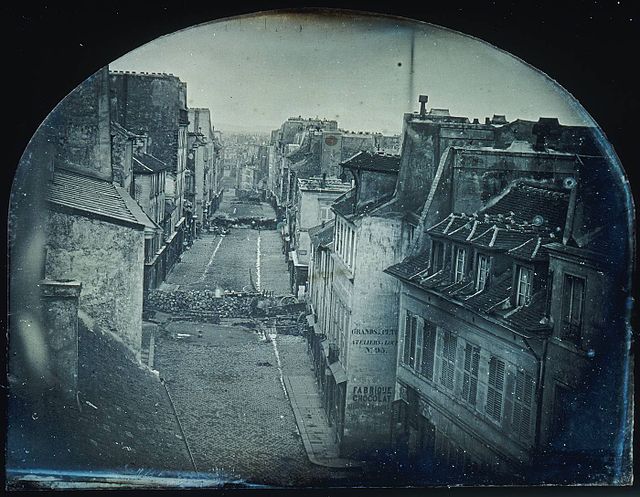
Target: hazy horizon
{"x":255,"y":72}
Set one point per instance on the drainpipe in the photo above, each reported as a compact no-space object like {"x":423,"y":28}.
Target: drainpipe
{"x":539,"y":387}
{"x":540,"y":390}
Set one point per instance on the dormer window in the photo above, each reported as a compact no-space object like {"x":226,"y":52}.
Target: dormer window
{"x":437,"y":256}
{"x":524,"y":286}
{"x":483,"y":271}
{"x":572,"y":307}
{"x":461,"y":261}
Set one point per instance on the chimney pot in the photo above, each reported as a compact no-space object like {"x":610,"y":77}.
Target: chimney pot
{"x":423,"y":99}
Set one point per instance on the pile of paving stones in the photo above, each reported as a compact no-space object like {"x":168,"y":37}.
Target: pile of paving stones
{"x":226,"y":221}
{"x":205,"y":302}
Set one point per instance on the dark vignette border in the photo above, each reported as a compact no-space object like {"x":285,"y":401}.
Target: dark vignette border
{"x":586,"y":46}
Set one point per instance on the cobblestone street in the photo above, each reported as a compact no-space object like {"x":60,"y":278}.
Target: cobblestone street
{"x":232,"y":207}
{"x":226,"y":380}
{"x":228,"y":393}
{"x":229,"y":262}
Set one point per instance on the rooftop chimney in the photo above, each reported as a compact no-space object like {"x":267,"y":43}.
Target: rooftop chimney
{"x":423,"y":99}
{"x":323,"y":183}
{"x":475,"y":120}
{"x":546,"y":128}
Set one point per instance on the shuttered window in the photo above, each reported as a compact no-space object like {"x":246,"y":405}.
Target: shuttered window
{"x":428,"y":349}
{"x":522,"y":400}
{"x":495,"y":390}
{"x":410,"y":328}
{"x":448,"y":359}
{"x":437,"y":256}
{"x":470,"y":374}
{"x":572,"y":307}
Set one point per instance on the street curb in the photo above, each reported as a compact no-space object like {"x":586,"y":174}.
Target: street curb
{"x":337,"y":463}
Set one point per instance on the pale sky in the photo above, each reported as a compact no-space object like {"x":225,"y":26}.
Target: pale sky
{"x":255,"y":72}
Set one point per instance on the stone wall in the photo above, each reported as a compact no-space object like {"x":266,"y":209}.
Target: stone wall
{"x":60,"y":322}
{"x":80,"y":128}
{"x":121,"y":160}
{"x":372,"y":339}
{"x":108,"y":259}
{"x":149,"y":104}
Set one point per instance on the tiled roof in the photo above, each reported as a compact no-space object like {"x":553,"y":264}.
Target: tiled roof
{"x":492,"y":301}
{"x":411,"y":266}
{"x":316,"y":183}
{"x":373,"y":162}
{"x":450,"y":223}
{"x":322,"y":234}
{"x":531,"y":250}
{"x":531,"y":317}
{"x":97,"y":197}
{"x":518,"y":223}
{"x":522,"y":212}
{"x":532,"y":203}
{"x":147,"y":164}
{"x":345,"y":204}
{"x":497,"y":291}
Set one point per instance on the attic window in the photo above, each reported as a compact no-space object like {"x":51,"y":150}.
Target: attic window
{"x":461,"y":261}
{"x":525,"y":285}
{"x":483,"y":271}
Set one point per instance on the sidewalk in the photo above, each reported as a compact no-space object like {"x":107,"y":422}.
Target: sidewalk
{"x":317,"y":436}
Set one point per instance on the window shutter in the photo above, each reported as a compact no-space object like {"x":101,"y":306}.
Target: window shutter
{"x":428,"y":349}
{"x":419,"y":340}
{"x":522,"y":403}
{"x":407,"y":328}
{"x":495,"y":388}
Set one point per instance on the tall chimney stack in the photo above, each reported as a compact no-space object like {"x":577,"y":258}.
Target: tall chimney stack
{"x":423,"y":104}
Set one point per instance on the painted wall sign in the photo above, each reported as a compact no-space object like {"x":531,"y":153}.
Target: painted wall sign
{"x":372,"y":394}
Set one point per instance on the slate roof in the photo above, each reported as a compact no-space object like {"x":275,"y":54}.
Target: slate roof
{"x":322,"y":234}
{"x":316,"y":183}
{"x":381,"y":162}
{"x":94,"y":196}
{"x":345,"y":205}
{"x":411,"y":266}
{"x":524,"y":201}
{"x":131,"y":419}
{"x":506,"y":225}
{"x":148,"y":164}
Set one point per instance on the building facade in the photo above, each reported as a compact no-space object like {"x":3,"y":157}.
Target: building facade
{"x":311,"y":207}
{"x":154,"y":104}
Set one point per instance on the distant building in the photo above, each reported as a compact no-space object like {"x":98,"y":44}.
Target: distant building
{"x":149,"y":173}
{"x":205,"y":166}
{"x":155,"y":104}
{"x":312,"y":206}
